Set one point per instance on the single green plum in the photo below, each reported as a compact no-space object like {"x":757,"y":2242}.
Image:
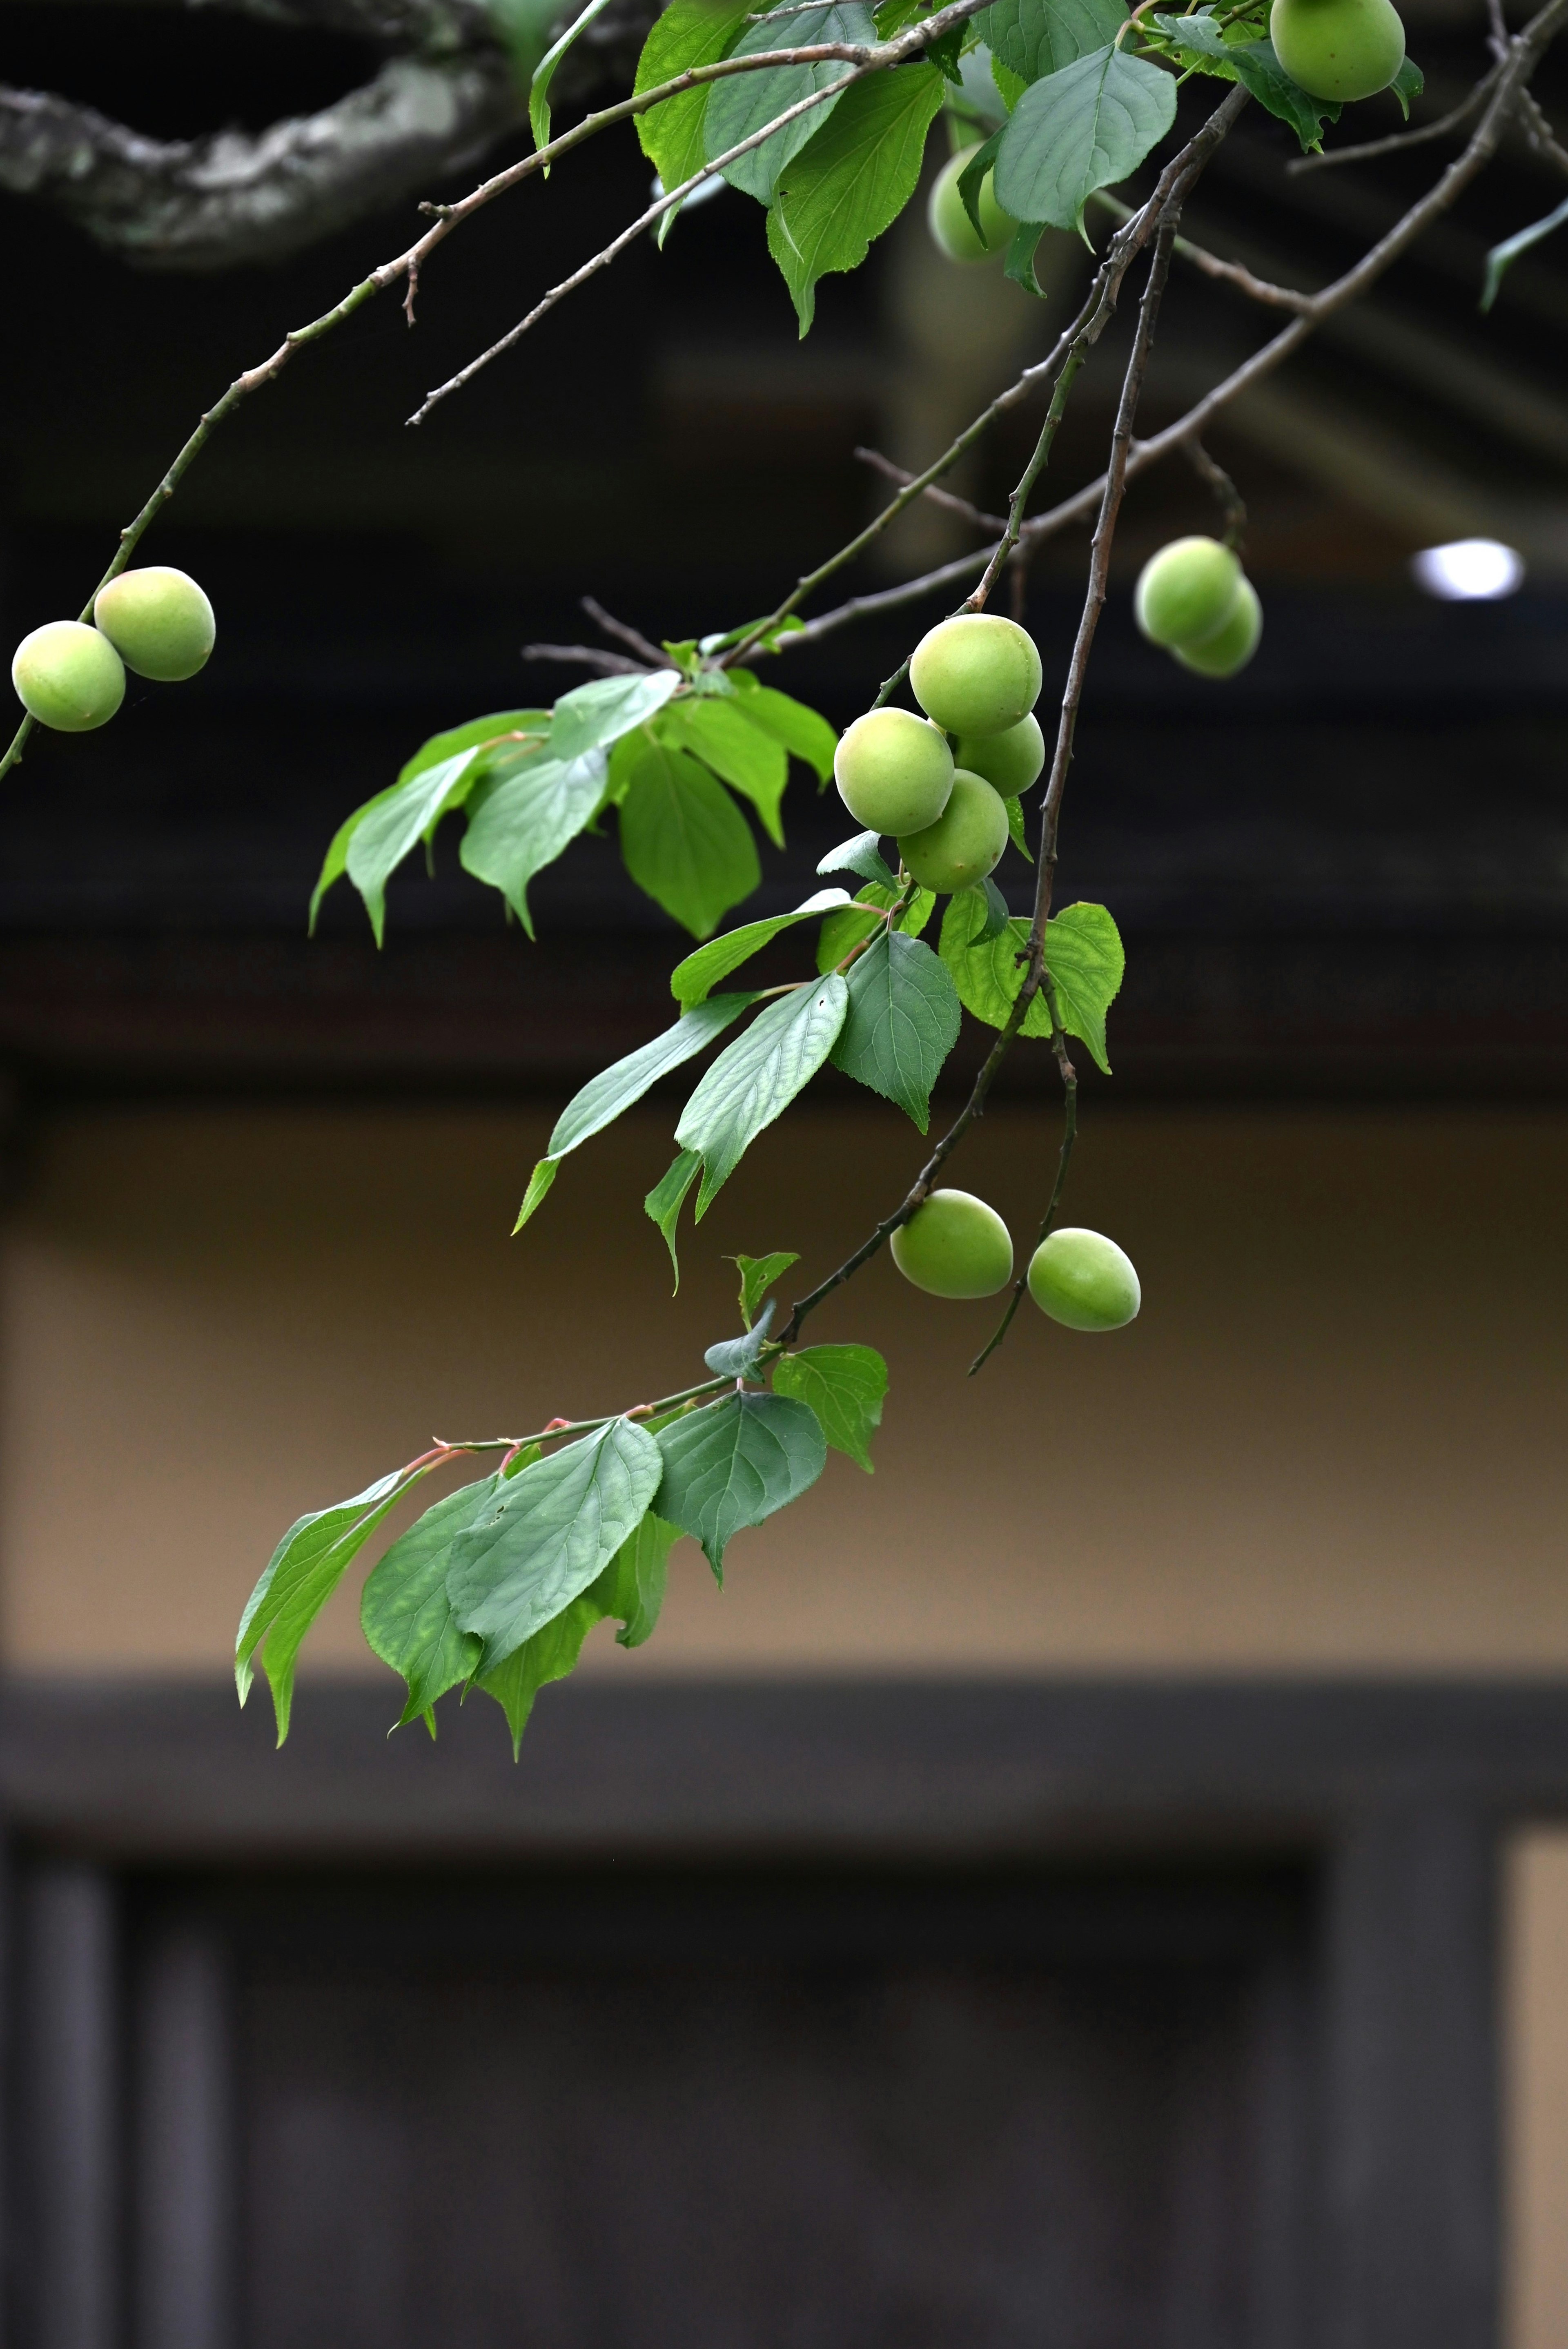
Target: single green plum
{"x":159,"y":621}
{"x":954,"y":1246}
{"x":894,"y":770}
{"x":1237,"y":641}
{"x":1338,"y":49}
{"x":976,"y":674}
{"x":1084,"y":1280}
{"x":1010,"y":762}
{"x":1187,"y":592}
{"x":965,"y":844}
{"x":68,"y":676}
{"x":947,"y":217}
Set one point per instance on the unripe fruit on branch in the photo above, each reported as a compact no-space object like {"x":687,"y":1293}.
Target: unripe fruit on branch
{"x":1338,"y":48}
{"x":952,"y":230}
{"x":159,"y":621}
{"x":976,"y":674}
{"x":68,"y":676}
{"x":1010,"y":762}
{"x":1237,"y":641}
{"x":1187,"y":592}
{"x":894,"y":770}
{"x":954,"y":1246}
{"x":965,"y":844}
{"x":1084,"y":1280}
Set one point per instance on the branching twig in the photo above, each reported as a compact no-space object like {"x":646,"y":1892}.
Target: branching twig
{"x":962,"y":507}
{"x":587,"y":656}
{"x":1229,"y":273}
{"x":1232,"y":503}
{"x":648,"y":655}
{"x":1398,"y":141}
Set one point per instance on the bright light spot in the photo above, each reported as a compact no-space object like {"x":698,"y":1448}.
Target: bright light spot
{"x":1468,"y":570}
{"x":714,"y":185}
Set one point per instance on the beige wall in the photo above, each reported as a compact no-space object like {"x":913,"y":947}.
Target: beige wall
{"x":1334,"y":1439}
{"x":1536,"y":2090}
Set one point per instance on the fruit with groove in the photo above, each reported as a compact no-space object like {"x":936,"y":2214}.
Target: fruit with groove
{"x":68,"y":676}
{"x":1084,"y":1280}
{"x":1338,"y":49}
{"x":976,"y":674}
{"x":954,"y":1246}
{"x":894,"y":770}
{"x":964,"y":845}
{"x":158,"y":620}
{"x":1187,"y":592}
{"x":1236,"y":642}
{"x":1010,"y":762}
{"x":947,"y":217}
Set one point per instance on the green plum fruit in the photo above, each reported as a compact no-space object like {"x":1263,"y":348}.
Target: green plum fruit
{"x":1084,"y":1280}
{"x":158,"y":622}
{"x":976,"y":674}
{"x":1187,"y":592}
{"x":952,"y":230}
{"x":965,"y":844}
{"x":894,"y":771}
{"x":954,"y":1246}
{"x":1010,"y":762}
{"x":1237,"y":641}
{"x":1338,"y":49}
{"x":68,"y":676}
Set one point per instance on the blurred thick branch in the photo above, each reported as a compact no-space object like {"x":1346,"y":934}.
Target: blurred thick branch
{"x":450,"y":89}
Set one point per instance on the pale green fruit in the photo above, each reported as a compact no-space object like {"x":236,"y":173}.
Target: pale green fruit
{"x":1010,"y":762}
{"x":1084,"y":1280}
{"x":976,"y":674}
{"x":954,"y":1246}
{"x":159,"y":621}
{"x":894,"y":770}
{"x":965,"y":844}
{"x":1186,"y":593}
{"x":1338,"y":48}
{"x":68,"y":676}
{"x":952,"y":230}
{"x":1237,"y":641}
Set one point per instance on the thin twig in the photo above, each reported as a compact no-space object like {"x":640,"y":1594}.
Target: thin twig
{"x":1232,"y":503}
{"x":962,"y":507}
{"x":648,"y":655}
{"x":1398,"y":141}
{"x":1228,"y":273}
{"x":586,"y":656}
{"x":1064,"y":1160}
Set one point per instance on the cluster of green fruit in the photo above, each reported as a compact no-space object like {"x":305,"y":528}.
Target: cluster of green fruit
{"x":70,"y":675}
{"x":1194,"y":599}
{"x":955,"y":1246}
{"x":939,"y":784}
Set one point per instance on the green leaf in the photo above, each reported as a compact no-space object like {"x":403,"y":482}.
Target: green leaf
{"x":691,"y":980}
{"x":548,"y":1535}
{"x":301,"y":1576}
{"x":1017,"y":830}
{"x":664,"y":1203}
{"x":734,"y":1463}
{"x":544,"y":73}
{"x":804,"y":733}
{"x":1082,"y":128}
{"x":851,"y":180}
{"x":721,"y":733}
{"x":631,"y":1587}
{"x":844,"y":930}
{"x":1083,"y":954}
{"x":845,"y":1386}
{"x":1019,"y":265}
{"x":396,"y":823}
{"x":1198,"y":39}
{"x":404,"y":1610}
{"x":519,"y":822}
{"x":972,"y":179}
{"x":691,"y":32}
{"x":1407,"y":84}
{"x":996,"y":913}
{"x":1010,"y":87}
{"x":617,"y":1088}
{"x":1032,"y":38}
{"x":757,"y":1077}
{"x":684,"y":841}
{"x":591,"y":717}
{"x":734,"y":1358}
{"x":860,"y":855}
{"x":902,"y":1023}
{"x":502,"y":729}
{"x":747,"y":102}
{"x":1502,"y":255}
{"x":758,"y":1275}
